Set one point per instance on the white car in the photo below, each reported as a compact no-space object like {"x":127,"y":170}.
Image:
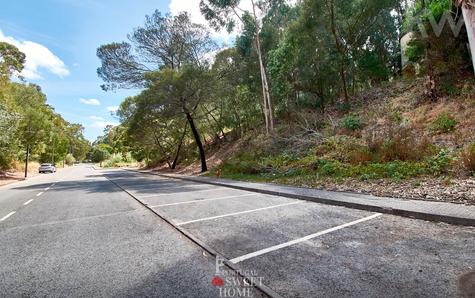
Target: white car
{"x":47,"y":168}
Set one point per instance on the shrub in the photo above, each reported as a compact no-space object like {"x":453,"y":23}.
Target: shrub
{"x":360,"y":155}
{"x":128,"y":158}
{"x":400,"y":144}
{"x":329,"y":168}
{"x":443,"y":123}
{"x":467,"y":158}
{"x":339,"y":148}
{"x":99,"y":155}
{"x":69,"y":159}
{"x":440,"y":163}
{"x":352,"y":122}
{"x":113,"y":161}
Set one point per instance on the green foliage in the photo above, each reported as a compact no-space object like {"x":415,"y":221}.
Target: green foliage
{"x":440,"y":163}
{"x":442,"y":54}
{"x":70,"y":160}
{"x":444,"y":123}
{"x":352,"y":122}
{"x":113,"y":161}
{"x":11,"y":60}
{"x":26,"y":119}
{"x":314,"y":53}
{"x":99,"y":155}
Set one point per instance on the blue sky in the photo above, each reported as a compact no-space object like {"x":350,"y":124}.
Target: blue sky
{"x":61,"y":38}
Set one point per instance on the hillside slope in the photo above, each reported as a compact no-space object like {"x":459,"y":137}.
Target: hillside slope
{"x":392,"y":142}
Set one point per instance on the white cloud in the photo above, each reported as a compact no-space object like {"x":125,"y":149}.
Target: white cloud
{"x":113,"y":109}
{"x":96,"y":118}
{"x":100,"y":122}
{"x":37,"y":57}
{"x":192,"y":7}
{"x":91,"y":102}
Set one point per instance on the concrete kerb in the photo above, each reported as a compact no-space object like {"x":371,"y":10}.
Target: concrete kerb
{"x":260,"y":287}
{"x":373,"y":208}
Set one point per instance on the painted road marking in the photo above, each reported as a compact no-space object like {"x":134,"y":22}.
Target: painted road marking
{"x":27,"y":202}
{"x":237,"y":213}
{"x":46,"y":189}
{"x":7,"y":216}
{"x":174,"y":193}
{"x":296,"y":241}
{"x":205,"y":200}
{"x":39,"y":194}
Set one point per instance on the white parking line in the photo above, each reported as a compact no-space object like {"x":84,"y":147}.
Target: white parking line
{"x":27,"y":202}
{"x":174,"y":193}
{"x":46,"y":189}
{"x":205,"y":200}
{"x":306,"y":238}
{"x":237,"y":213}
{"x":39,"y":194}
{"x":7,"y":216}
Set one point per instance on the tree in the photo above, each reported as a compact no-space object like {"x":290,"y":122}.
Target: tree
{"x":99,"y":155}
{"x":180,"y":92}
{"x":441,"y":54}
{"x":167,"y":57}
{"x":11,"y":60}
{"x":220,"y":14}
{"x":164,"y":41}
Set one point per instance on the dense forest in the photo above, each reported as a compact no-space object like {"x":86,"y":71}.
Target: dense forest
{"x":29,"y":124}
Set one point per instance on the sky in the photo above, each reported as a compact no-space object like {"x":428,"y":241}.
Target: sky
{"x":60,"y":39}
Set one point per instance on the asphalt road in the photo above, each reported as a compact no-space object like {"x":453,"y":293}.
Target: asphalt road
{"x":76,"y":234}
{"x":84,"y":236}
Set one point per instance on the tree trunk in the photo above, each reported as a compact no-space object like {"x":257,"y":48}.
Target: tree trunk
{"x":26,"y":159}
{"x":341,"y":52}
{"x":162,"y":150}
{"x":196,"y":135}
{"x":431,"y":80}
{"x":268,"y":114}
{"x":177,"y":154}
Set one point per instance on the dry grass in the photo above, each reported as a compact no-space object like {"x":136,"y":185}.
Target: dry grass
{"x":467,"y":158}
{"x":17,"y":166}
{"x":17,"y":172}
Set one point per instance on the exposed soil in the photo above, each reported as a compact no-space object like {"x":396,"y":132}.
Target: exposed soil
{"x":375,"y":107}
{"x":11,"y":177}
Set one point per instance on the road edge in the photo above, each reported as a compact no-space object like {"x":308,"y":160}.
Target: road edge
{"x":454,"y":220}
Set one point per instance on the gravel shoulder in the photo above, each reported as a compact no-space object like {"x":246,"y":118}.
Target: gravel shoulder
{"x":454,"y":190}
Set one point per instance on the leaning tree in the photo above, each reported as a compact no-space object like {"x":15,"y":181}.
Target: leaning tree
{"x":157,"y":55}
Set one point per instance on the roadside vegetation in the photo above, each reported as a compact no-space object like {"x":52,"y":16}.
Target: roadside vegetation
{"x":29,"y":124}
{"x":308,"y":93}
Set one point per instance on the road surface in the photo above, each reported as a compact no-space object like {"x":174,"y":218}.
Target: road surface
{"x":86,"y":232}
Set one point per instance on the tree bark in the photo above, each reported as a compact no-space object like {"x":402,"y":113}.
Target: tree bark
{"x":26,"y":159}
{"x":196,"y":135}
{"x":268,"y":114}
{"x":177,"y":154}
{"x":341,"y":52}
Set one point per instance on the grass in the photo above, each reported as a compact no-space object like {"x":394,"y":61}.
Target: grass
{"x":444,"y":123}
{"x":309,"y":167}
